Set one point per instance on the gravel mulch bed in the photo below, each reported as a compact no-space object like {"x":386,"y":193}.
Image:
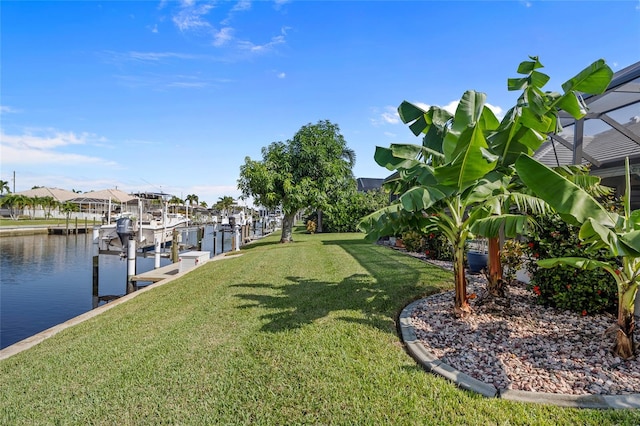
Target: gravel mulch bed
{"x":527,"y":347}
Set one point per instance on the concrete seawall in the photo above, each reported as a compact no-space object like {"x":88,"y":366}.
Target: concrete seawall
{"x":22,"y":231}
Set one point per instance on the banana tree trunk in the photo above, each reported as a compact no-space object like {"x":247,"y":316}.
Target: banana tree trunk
{"x":494,"y":277}
{"x":461,"y":306}
{"x":624,"y":346}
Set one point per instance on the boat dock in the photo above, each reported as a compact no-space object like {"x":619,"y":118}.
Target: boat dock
{"x":159,"y":274}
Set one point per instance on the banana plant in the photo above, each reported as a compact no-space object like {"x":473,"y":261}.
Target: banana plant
{"x":600,"y":228}
{"x":466,"y":159}
{"x":448,"y":175}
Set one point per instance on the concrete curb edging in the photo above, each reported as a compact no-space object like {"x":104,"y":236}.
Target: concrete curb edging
{"x":31,"y":341}
{"x":464,"y":381}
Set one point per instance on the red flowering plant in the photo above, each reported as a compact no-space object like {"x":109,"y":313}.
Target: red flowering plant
{"x":600,"y":229}
{"x":565,"y":287}
{"x":436,"y":246}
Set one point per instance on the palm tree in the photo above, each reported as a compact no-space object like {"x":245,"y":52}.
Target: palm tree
{"x":192,"y":199}
{"x":4,"y":187}
{"x":175,"y":201}
{"x":31,"y":204}
{"x":69,"y":207}
{"x":225,"y":203}
{"x":48,"y":203}
{"x":15,"y":203}
{"x":203,"y":204}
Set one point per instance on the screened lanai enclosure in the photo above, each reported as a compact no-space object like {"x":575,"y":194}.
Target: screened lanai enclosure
{"x":605,"y":136}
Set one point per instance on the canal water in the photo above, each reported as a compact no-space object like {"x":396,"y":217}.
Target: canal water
{"x":48,"y":279}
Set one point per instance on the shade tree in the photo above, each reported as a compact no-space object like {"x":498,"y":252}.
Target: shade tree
{"x":300,"y":173}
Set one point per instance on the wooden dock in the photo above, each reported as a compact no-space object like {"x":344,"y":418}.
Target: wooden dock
{"x":68,"y":230}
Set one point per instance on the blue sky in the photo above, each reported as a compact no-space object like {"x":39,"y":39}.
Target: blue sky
{"x":173,"y":95}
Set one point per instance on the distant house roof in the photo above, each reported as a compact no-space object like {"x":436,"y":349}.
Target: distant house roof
{"x":114,"y":195}
{"x":369,"y":184}
{"x":60,"y":195}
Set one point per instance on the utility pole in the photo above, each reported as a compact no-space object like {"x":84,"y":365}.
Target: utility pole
{"x":14,"y":181}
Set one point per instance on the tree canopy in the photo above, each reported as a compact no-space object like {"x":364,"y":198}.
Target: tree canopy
{"x":299,"y":173}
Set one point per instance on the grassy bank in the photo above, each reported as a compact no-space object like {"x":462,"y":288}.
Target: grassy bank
{"x":285,"y":334}
{"x":44,"y":222}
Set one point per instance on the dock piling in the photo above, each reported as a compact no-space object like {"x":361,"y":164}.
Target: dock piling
{"x":131,"y":257}
{"x":156,"y":254}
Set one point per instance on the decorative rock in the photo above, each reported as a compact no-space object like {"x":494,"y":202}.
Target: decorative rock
{"x":526,"y":347}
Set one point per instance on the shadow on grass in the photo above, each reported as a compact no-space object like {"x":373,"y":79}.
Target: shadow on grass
{"x":266,"y":241}
{"x":391,"y":281}
{"x":273,"y":238}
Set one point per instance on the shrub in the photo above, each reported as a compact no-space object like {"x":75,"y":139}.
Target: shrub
{"x":565,"y":287}
{"x":437,"y":247}
{"x":344,"y":213}
{"x":311,"y":227}
{"x":511,"y":259}
{"x":413,"y":241}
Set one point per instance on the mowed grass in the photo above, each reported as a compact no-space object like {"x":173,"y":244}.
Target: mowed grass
{"x":285,"y":334}
{"x":43,"y":222}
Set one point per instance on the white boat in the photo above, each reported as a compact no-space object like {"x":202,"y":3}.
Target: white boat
{"x":147,"y":229}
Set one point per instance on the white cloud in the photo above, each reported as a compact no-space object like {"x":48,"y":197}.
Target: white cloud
{"x":162,"y":81}
{"x":188,"y":84}
{"x":191,"y":16}
{"x":241,"y":6}
{"x":118,"y":57}
{"x":279,"y":3}
{"x":5,"y":109}
{"x":154,"y":29}
{"x":30,"y":148}
{"x":260,"y":48}
{"x":282,"y":75}
{"x":223,"y":36}
{"x":388,"y":116}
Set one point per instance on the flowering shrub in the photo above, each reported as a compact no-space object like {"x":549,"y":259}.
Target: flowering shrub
{"x":436,"y":246}
{"x":565,"y":287}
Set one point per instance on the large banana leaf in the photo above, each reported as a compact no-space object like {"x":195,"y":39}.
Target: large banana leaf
{"x":598,"y":236}
{"x":564,"y":196}
{"x":421,"y":121}
{"x":512,"y":138}
{"x":512,"y":225}
{"x":468,"y":114}
{"x":634,"y":219}
{"x":631,"y":242}
{"x":576,"y":262}
{"x":593,"y":79}
{"x":471,"y":162}
{"x":424,"y":197}
{"x":387,"y":158}
{"x":491,"y":185}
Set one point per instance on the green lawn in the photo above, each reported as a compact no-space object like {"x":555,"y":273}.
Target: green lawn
{"x":285,"y":334}
{"x":32,"y":222}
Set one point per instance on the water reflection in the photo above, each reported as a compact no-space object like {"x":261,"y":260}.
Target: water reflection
{"x":46,"y":280}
